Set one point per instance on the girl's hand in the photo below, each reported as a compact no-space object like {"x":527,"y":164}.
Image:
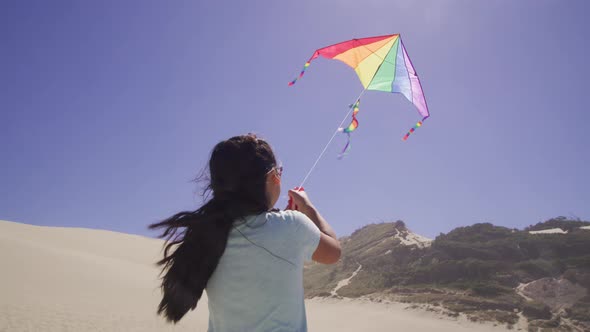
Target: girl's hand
{"x":300,"y":201}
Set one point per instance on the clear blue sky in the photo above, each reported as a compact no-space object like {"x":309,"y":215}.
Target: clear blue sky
{"x":109,"y":108}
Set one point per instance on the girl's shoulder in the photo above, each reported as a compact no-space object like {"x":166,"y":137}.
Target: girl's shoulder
{"x":284,"y":215}
{"x":274,"y":217}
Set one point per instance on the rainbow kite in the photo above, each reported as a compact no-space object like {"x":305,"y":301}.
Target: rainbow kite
{"x":382,"y":64}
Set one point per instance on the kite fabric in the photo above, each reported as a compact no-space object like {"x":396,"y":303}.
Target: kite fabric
{"x":382,"y":64}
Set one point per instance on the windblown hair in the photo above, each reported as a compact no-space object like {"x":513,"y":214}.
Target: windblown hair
{"x":196,"y":240}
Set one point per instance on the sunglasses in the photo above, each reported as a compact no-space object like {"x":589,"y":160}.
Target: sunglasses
{"x":278,"y":169}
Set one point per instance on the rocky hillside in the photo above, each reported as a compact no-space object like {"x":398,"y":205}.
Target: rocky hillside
{"x":541,"y":273}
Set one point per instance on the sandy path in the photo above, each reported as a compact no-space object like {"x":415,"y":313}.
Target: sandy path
{"x":345,"y":282}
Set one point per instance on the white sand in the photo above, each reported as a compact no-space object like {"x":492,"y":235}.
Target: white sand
{"x":408,"y":238}
{"x":362,"y":315}
{"x":72,"y":279}
{"x":549,"y":231}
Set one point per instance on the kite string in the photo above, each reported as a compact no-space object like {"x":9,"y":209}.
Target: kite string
{"x":330,"y":141}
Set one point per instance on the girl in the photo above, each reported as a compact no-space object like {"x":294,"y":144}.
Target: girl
{"x":245,"y":254}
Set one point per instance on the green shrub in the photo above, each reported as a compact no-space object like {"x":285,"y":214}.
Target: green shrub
{"x":538,"y":268}
{"x":489,"y":289}
{"x":536,"y":310}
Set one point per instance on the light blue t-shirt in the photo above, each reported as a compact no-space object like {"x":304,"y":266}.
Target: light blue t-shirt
{"x":258,"y":284}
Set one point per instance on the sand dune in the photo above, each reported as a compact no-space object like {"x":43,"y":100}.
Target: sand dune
{"x":74,"y":279}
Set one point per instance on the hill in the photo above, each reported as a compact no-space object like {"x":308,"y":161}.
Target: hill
{"x":487,"y":272}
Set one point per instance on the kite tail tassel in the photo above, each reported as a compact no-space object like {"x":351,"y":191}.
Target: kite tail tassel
{"x":413,"y":129}
{"x":346,"y":148}
{"x":350,"y":128}
{"x":301,"y":73}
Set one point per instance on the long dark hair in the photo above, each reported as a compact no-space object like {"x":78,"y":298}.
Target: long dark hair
{"x":236,"y":188}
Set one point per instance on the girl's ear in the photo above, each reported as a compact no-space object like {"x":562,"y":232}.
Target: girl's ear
{"x":276,"y":179}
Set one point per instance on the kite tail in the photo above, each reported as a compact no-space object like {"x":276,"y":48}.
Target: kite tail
{"x":330,"y":140}
{"x":351,"y":127}
{"x":416,"y":126}
{"x":301,"y":73}
{"x":346,"y":148}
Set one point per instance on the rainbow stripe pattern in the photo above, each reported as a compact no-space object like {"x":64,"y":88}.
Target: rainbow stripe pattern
{"x":300,"y":74}
{"x":354,"y":123}
{"x":351,"y":127}
{"x":382,"y":64}
{"x":418,"y":125}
